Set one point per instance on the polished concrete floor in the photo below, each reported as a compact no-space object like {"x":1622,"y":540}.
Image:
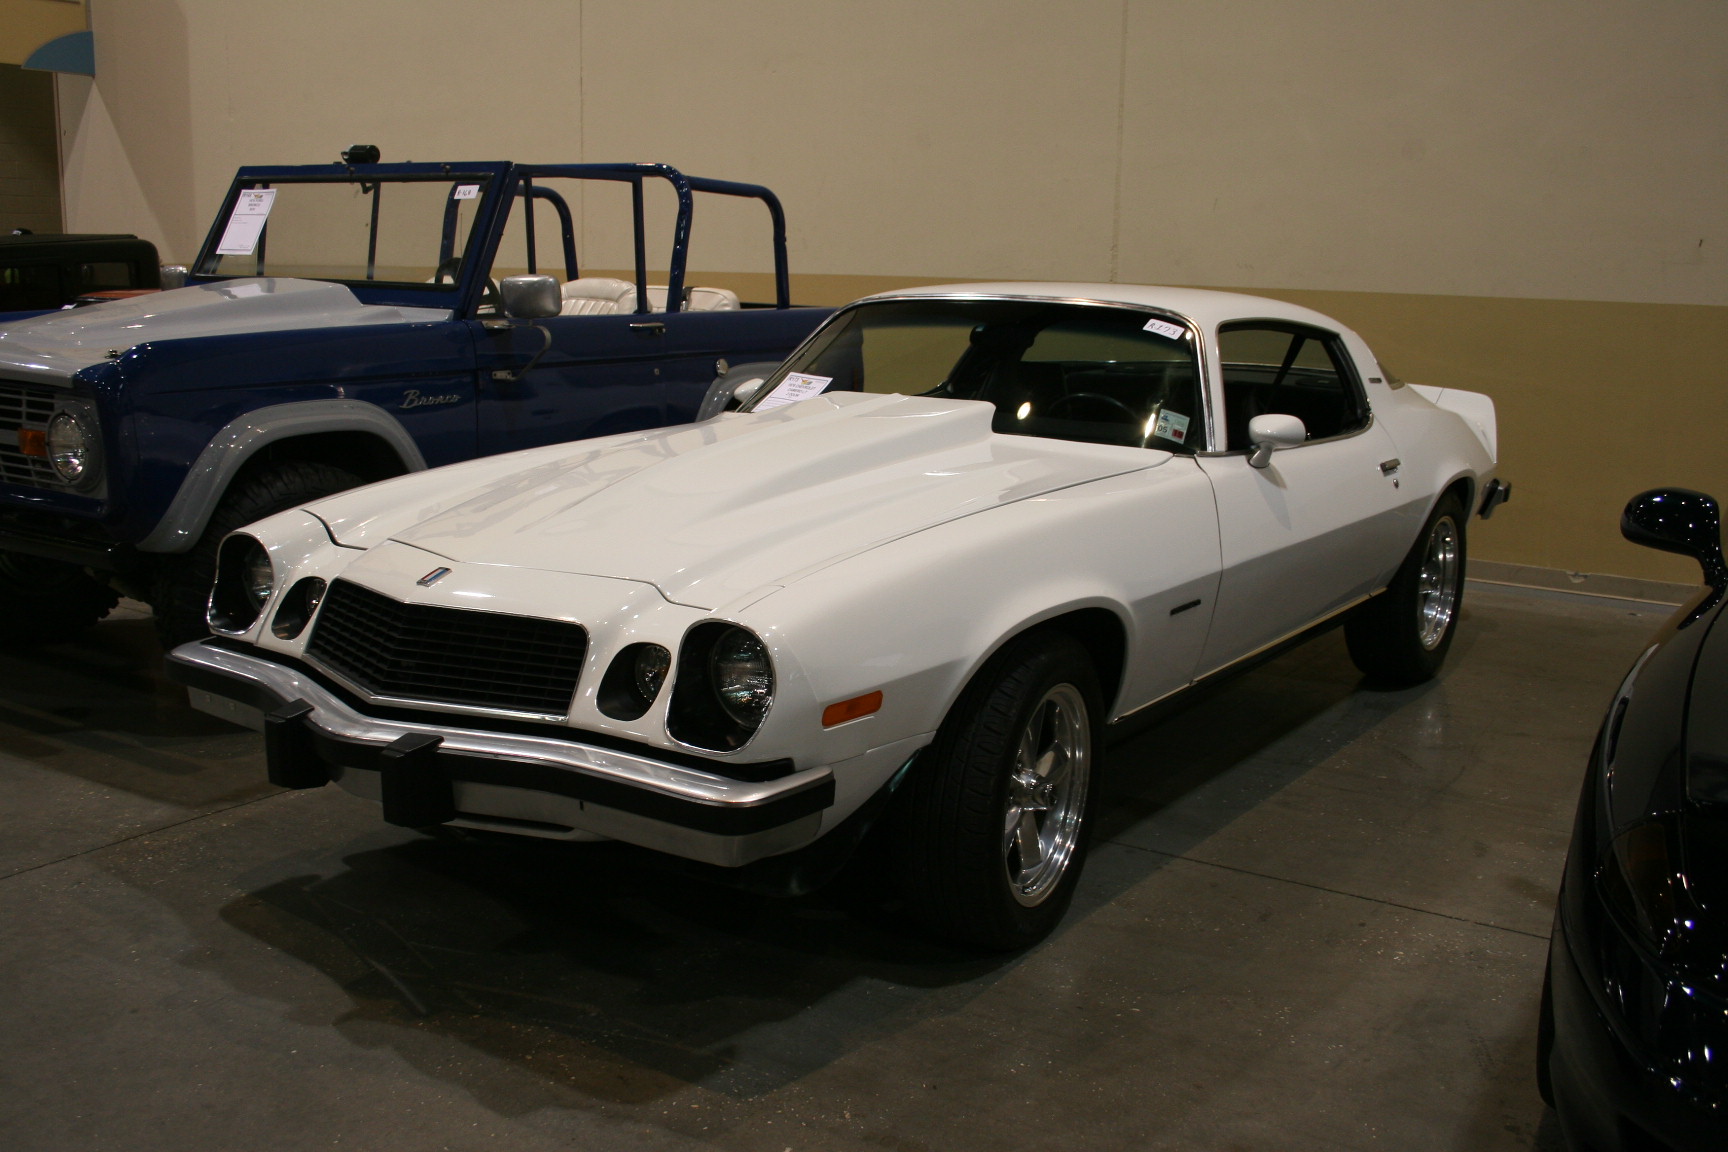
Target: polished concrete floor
{"x":1316,"y":920}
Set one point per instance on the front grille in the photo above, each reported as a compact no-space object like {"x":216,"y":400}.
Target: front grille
{"x":22,"y":407}
{"x":447,"y":655}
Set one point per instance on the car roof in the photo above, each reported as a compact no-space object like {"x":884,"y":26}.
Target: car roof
{"x":1201,"y":305}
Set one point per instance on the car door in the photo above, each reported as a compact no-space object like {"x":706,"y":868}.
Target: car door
{"x":1319,"y":527}
{"x":598,"y":375}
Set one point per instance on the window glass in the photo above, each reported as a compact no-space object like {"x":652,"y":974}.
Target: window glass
{"x":1287,"y":368}
{"x":106,"y":274}
{"x":1063,"y":371}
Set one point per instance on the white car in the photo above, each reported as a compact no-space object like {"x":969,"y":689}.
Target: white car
{"x":938,"y":556}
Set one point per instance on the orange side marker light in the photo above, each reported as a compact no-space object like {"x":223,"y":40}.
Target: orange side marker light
{"x":33,"y":442}
{"x":851,"y":709}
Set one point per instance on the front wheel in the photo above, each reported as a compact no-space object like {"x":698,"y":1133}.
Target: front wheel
{"x":990,"y":830}
{"x":182,"y":588}
{"x":1401,"y":636}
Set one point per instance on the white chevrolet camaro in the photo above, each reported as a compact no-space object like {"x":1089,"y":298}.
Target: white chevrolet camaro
{"x":908,"y":588}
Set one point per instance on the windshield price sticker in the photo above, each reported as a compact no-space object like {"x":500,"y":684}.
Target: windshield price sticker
{"x":797,"y":386}
{"x":1166,"y":329}
{"x":466,"y":191}
{"x":251,"y":212}
{"x":1171,"y":426}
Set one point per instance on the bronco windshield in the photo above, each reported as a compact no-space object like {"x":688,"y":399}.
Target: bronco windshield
{"x":403,"y":232}
{"x":1100,"y":374}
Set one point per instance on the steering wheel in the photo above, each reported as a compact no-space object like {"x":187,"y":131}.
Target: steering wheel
{"x":451,"y":268}
{"x":1127,"y":414}
{"x":489,"y":295}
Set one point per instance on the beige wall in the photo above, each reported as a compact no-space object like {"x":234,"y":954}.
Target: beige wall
{"x":1499,"y":195}
{"x":26,"y":25}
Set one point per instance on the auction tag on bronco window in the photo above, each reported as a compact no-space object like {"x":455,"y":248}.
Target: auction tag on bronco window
{"x":1166,"y":329}
{"x":251,"y":213}
{"x":466,"y":192}
{"x":797,"y":386}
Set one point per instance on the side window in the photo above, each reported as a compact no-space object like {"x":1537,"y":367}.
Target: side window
{"x":1288,"y":368}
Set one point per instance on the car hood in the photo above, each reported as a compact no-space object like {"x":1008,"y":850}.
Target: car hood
{"x":51,"y":348}
{"x":712,"y":512}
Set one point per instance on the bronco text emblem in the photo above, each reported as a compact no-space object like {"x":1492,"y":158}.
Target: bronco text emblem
{"x":432,"y":577}
{"x":413,"y":399}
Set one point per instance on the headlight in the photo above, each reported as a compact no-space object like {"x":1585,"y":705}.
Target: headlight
{"x":649,"y":668}
{"x":74,"y":448}
{"x":244,"y":581}
{"x":1643,"y":880}
{"x":742,"y":676}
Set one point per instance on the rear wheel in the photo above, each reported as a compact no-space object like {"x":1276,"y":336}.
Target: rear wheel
{"x":182,"y":589}
{"x":42,"y":601}
{"x":990,"y":830}
{"x":1401,"y":636}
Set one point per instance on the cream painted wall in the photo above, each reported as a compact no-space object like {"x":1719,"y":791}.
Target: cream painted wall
{"x":1415,"y":161}
{"x":26,"y":25}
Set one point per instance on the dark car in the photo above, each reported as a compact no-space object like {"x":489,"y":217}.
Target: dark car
{"x":39,"y":273}
{"x":1633,"y":1040}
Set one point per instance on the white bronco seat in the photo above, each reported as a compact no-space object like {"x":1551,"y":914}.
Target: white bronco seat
{"x":605,"y":296}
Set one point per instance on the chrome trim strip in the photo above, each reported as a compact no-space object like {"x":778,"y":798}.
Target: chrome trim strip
{"x":334,"y":717}
{"x":1228,"y":664}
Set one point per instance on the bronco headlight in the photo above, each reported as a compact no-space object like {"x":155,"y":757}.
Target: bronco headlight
{"x":74,"y":449}
{"x":244,"y":581}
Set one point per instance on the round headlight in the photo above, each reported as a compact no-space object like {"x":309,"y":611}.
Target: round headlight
{"x":72,"y":448}
{"x":651,"y":665}
{"x":244,"y":581}
{"x":742,"y":676}
{"x":259,"y":576}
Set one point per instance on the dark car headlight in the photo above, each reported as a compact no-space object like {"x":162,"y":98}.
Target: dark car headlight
{"x":1643,"y":881}
{"x":74,"y":448}
{"x":723,"y":687}
{"x":244,"y":581}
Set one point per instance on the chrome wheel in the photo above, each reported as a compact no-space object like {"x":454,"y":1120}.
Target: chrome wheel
{"x":1047,"y":794}
{"x":1437,"y":583}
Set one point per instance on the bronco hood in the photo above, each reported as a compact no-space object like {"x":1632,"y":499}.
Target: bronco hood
{"x":51,"y":348}
{"x":710,"y":512}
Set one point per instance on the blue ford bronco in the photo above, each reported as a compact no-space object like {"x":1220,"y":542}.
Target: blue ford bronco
{"x":342,"y":324}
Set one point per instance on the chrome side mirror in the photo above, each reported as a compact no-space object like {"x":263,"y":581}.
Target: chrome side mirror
{"x":531,"y":297}
{"x":1273,"y":430}
{"x":1678,"y":520}
{"x":747,"y":389}
{"x":173,"y":276}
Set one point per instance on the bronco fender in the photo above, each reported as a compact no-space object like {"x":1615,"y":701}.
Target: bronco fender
{"x":214,"y":470}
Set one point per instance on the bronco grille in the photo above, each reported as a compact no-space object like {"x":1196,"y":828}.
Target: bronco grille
{"x":22,"y":407}
{"x":422,"y":652}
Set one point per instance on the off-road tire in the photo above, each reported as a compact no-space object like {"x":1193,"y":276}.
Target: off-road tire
{"x":182,"y":589}
{"x":947,"y":837}
{"x":1395,"y":638}
{"x":43,"y":601}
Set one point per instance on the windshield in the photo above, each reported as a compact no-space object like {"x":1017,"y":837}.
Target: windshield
{"x":1100,"y":374}
{"x":407,"y":233}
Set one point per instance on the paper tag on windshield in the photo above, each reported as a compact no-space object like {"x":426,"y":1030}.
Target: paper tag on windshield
{"x":797,"y":386}
{"x":251,"y":212}
{"x":466,"y":192}
{"x":1166,"y":329}
{"x":1171,"y":426}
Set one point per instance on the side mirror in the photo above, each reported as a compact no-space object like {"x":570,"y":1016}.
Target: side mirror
{"x":1678,"y":520}
{"x":531,"y":297}
{"x":173,"y":276}
{"x":746,"y":389}
{"x":1273,"y":430}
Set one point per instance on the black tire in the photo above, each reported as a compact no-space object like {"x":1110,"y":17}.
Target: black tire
{"x":956,"y":847}
{"x":1401,"y":636}
{"x":182,"y":588}
{"x":43,"y":601}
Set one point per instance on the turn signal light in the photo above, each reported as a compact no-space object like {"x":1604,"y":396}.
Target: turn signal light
{"x":33,"y":442}
{"x":851,"y":709}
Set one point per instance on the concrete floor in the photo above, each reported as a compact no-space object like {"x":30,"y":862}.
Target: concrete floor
{"x":1316,"y":920}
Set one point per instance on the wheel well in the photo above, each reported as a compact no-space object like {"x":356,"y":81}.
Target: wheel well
{"x":1463,"y":488}
{"x":361,"y":453}
{"x":1101,"y":633}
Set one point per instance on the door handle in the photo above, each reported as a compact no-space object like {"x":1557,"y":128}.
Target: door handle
{"x":1387,"y":467}
{"x":648,"y":328}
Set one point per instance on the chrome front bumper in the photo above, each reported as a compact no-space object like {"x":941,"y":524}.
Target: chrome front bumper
{"x":550,"y":786}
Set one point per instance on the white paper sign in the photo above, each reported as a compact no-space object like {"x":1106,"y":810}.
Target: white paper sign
{"x":466,"y":191}
{"x":1171,"y":426}
{"x":1165,"y":328}
{"x":251,"y":211}
{"x":797,"y":386}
